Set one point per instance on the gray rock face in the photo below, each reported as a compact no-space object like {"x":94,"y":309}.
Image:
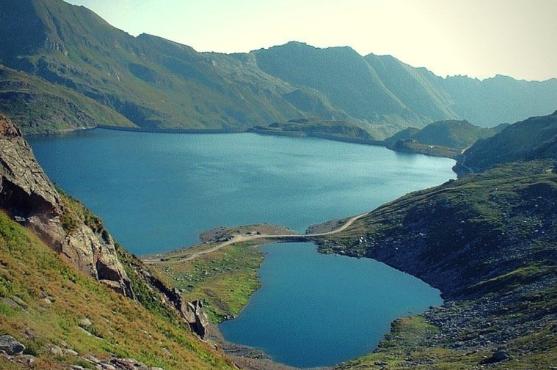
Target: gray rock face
{"x":10,"y":346}
{"x":28,"y":196}
{"x":196,"y":317}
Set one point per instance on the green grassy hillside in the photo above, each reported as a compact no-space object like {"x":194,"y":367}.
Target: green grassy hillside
{"x":533,"y":138}
{"x":42,"y":107}
{"x":44,"y":303}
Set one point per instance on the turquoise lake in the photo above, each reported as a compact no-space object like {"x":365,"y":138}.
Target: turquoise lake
{"x":157,"y":192}
{"x":317,"y":310}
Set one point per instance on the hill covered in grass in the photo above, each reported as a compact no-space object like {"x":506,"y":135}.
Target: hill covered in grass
{"x":39,"y":106}
{"x":152,"y":83}
{"x":443,"y":138}
{"x":533,"y":138}
{"x":65,"y":318}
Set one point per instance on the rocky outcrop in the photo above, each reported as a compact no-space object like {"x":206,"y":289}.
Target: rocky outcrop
{"x":196,"y":317}
{"x":29,"y":197}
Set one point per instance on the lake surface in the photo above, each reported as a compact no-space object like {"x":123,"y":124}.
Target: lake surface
{"x":318,"y":310}
{"x":157,"y":192}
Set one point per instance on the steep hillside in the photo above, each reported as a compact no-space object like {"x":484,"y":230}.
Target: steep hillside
{"x":442,"y":138}
{"x":27,"y":195}
{"x":488,"y":242}
{"x":533,"y":138}
{"x":42,"y":107}
{"x":65,"y":318}
{"x":409,"y":84}
{"x":69,"y":295}
{"x":342,"y":75}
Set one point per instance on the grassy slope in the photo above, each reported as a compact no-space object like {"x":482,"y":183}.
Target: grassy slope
{"x":535,"y":137}
{"x":121,"y":327}
{"x":489,"y":243}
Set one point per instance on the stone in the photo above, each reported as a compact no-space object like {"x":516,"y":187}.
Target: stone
{"x":56,"y":351}
{"x":195,"y":316}
{"x":85,"y":322}
{"x":128,"y":364}
{"x":10,"y":302}
{"x":10,"y":346}
{"x":70,"y":352}
{"x":19,"y":301}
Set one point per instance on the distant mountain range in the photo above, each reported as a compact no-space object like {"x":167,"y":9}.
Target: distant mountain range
{"x":64,"y":67}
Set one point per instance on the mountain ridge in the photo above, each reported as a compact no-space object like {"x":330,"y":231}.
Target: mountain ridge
{"x":153,"y":83}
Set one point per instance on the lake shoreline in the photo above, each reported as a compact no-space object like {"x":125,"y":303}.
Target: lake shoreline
{"x":340,"y":139}
{"x":282,"y":158}
{"x":252,"y":357}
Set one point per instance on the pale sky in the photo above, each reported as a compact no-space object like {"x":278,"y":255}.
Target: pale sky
{"x":479,"y":38}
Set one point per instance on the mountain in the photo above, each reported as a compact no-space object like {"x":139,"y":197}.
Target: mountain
{"x":443,"y":138}
{"x":152,"y":82}
{"x":488,"y":243}
{"x":387,"y":90}
{"x":500,"y":99}
{"x":533,"y":138}
{"x":54,"y":53}
{"x":70,"y":296}
{"x":344,"y":77}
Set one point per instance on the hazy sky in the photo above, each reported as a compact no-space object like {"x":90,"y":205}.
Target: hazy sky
{"x":475,"y":37}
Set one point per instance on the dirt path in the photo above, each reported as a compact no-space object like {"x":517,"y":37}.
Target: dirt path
{"x":246,"y":238}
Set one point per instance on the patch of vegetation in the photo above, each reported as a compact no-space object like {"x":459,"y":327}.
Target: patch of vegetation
{"x":224,"y":279}
{"x":406,"y":347}
{"x":75,"y":213}
{"x":413,"y":146}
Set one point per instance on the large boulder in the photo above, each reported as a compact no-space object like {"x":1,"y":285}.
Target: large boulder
{"x":195,"y":316}
{"x":27,"y":194}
